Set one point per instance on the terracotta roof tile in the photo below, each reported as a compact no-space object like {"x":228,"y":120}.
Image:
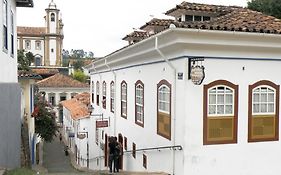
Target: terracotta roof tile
{"x":60,"y":80}
{"x":43,"y":71}
{"x":243,"y":20}
{"x":28,"y":75}
{"x":78,"y":106}
{"x":38,"y":31}
{"x":202,"y":7}
{"x":138,"y":35}
{"x":158,"y":22}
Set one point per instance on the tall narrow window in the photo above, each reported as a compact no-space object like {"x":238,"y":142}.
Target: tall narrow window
{"x":139,"y":103}
{"x":220,"y":112}
{"x":263,"y":112}
{"x":52,"y":17}
{"x":98,"y":92}
{"x":104,"y":95}
{"x":38,"y":45}
{"x":112,"y":94}
{"x":124,"y":99}
{"x":52,"y":98}
{"x":93,"y":91}
{"x":164,"y":109}
{"x":12,"y":34}
{"x":27,"y":45}
{"x":5,"y":25}
{"x":134,"y":150}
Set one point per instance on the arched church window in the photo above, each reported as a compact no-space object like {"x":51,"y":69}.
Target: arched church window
{"x":52,"y":17}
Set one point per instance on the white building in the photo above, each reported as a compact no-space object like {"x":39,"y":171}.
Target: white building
{"x":60,"y":87}
{"x":10,"y":103}
{"x":77,"y":129}
{"x":46,"y":42}
{"x":169,"y":120}
{"x":27,"y":82}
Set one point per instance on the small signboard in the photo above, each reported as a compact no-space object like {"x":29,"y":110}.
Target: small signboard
{"x":71,"y":134}
{"x":101,"y":123}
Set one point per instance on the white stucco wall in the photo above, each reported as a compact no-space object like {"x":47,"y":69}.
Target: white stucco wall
{"x":53,"y":45}
{"x":58,"y":92}
{"x":10,"y":61}
{"x":240,"y":58}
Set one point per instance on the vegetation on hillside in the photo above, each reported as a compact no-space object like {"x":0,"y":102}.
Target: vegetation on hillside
{"x":269,"y":7}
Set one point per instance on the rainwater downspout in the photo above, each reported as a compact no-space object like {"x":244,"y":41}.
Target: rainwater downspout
{"x":174,"y":97}
{"x":114,"y":74}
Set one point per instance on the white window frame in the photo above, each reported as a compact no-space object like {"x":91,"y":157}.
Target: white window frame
{"x":139,"y":103}
{"x":124,"y":99}
{"x":164,"y":99}
{"x":266,"y":103}
{"x":5,"y":25}
{"x":112,"y":94}
{"x":27,"y":44}
{"x":216,"y":104}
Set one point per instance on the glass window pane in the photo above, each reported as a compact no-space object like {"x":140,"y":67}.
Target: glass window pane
{"x":263,"y":108}
{"x":228,"y":99}
{"x":220,"y":109}
{"x":270,"y":90}
{"x":220,"y":89}
{"x":271,"y":107}
{"x":263,"y":89}
{"x":212,"y":99}
{"x":256,"y":108}
{"x":256,"y":97}
{"x":212,"y":90}
{"x":228,"y":109}
{"x":212,"y":109}
{"x":263,"y":97}
{"x":271,"y":97}
{"x":220,"y":99}
{"x":227,"y":90}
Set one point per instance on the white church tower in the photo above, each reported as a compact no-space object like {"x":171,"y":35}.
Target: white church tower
{"x":54,"y":36}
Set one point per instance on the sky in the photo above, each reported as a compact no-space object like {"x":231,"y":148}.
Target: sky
{"x":100,"y":25}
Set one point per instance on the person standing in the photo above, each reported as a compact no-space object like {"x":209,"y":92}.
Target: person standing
{"x":111,"y":145}
{"x":117,"y":155}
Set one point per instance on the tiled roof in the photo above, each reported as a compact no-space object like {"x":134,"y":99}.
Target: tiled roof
{"x":28,"y":75}
{"x":157,"y":22}
{"x":229,"y":18}
{"x":136,"y":35}
{"x":243,"y":20}
{"x":202,"y":7}
{"x":38,"y":31}
{"x":60,"y":80}
{"x":43,"y":71}
{"x":78,"y":106}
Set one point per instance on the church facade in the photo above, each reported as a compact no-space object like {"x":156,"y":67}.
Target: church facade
{"x":44,"y":42}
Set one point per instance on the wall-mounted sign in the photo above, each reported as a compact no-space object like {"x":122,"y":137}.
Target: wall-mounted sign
{"x":196,"y":71}
{"x":180,"y":76}
{"x":71,"y":134}
{"x":81,"y":135}
{"x":101,"y":123}
{"x":197,"y":74}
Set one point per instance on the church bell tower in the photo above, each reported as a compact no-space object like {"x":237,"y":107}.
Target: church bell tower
{"x":54,"y":36}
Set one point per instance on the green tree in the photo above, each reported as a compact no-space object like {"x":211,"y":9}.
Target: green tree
{"x":45,"y":124}
{"x":269,"y":7}
{"x":80,"y":76}
{"x":24,"y":60}
{"x":78,"y":64}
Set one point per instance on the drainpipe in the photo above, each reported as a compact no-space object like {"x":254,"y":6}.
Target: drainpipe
{"x":114,"y":74}
{"x":174,"y":97}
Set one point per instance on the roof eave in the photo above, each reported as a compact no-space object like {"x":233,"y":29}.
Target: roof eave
{"x":24,"y":3}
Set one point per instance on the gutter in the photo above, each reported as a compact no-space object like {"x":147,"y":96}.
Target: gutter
{"x":174,"y":99}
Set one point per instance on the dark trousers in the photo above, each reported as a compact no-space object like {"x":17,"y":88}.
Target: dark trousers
{"x":111,"y":160}
{"x":116,"y":163}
